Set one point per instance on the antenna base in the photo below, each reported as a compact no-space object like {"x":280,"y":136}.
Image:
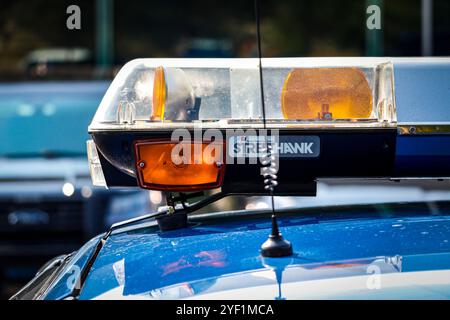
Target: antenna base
{"x":276,"y":247}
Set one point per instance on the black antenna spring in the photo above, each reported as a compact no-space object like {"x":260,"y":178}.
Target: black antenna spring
{"x":275,"y":246}
{"x":269,"y":167}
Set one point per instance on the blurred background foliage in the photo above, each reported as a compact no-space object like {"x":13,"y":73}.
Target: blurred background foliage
{"x":214,"y":29}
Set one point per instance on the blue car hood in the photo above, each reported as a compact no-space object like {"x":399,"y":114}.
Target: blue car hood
{"x":344,"y":257}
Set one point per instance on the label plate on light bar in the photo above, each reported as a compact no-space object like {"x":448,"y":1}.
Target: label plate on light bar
{"x":287,"y":146}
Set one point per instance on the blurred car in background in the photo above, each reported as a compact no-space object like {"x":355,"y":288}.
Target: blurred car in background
{"x":43,"y":62}
{"x":205,"y":48}
{"x":48,"y":205}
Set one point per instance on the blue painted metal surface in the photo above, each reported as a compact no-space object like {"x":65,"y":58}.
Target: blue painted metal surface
{"x":206,"y":256}
{"x":422,"y":96}
{"x":422,"y":156}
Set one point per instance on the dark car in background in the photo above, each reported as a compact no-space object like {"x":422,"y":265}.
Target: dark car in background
{"x":48,"y":205}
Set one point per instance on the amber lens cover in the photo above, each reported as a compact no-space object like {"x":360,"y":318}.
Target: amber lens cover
{"x":179,"y":166}
{"x":326,"y":94}
{"x":159,"y":95}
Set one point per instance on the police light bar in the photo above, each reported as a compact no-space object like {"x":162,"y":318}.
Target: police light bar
{"x":166,"y":94}
{"x":326,"y":117}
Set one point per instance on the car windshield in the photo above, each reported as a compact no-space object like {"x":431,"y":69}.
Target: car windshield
{"x":47,"y":119}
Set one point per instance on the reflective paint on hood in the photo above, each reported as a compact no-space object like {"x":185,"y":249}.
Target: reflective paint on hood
{"x":210,"y":258}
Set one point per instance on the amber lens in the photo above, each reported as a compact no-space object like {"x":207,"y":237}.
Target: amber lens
{"x":194,"y":168}
{"x":326,"y":94}
{"x":159,"y":95}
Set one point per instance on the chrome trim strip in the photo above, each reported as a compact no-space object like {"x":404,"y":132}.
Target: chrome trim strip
{"x":420,"y":129}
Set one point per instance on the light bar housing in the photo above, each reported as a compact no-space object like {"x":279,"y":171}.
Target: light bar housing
{"x":227,"y":94}
{"x":383,"y":138}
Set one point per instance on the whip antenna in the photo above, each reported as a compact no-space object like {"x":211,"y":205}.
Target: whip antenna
{"x":275,"y":245}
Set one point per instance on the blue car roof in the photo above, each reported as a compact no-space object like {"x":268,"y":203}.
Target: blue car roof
{"x":217,"y":255}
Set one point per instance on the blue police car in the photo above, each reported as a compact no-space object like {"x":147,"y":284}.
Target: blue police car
{"x":368,"y":136}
